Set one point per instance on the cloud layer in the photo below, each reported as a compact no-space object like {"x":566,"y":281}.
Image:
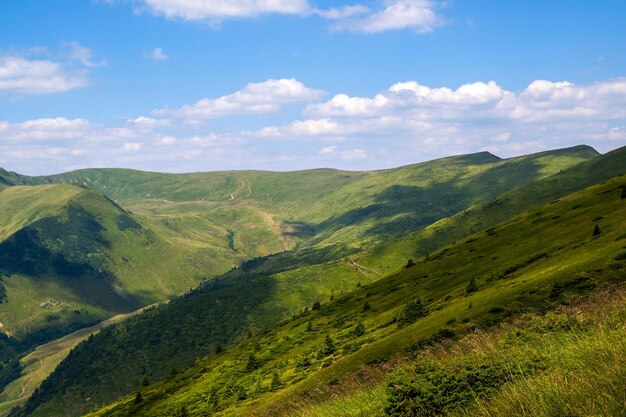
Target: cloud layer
{"x":406,"y":123}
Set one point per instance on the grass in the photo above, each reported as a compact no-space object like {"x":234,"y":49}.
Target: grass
{"x":551,"y":362}
{"x":575,"y":260}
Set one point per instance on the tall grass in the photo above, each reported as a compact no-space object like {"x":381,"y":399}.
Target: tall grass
{"x":578,"y":354}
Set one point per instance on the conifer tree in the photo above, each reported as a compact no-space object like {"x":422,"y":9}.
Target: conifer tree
{"x":596,"y":230}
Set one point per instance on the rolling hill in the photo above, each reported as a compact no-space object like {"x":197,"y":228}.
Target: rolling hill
{"x":527,"y":265}
{"x":247,"y":300}
{"x":328,"y":231}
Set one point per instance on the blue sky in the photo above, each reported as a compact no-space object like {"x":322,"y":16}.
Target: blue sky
{"x":197,"y":85}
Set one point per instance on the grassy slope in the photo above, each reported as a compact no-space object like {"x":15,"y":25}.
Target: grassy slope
{"x":38,"y":364}
{"x":389,"y":255}
{"x":275,"y":297}
{"x":516,"y":265}
{"x":319,"y":206}
{"x":515,"y":280}
{"x":70,"y":256}
{"x":565,"y":354}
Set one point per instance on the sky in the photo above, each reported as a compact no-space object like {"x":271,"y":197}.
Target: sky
{"x":202,"y":85}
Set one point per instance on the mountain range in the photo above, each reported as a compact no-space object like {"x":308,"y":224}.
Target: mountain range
{"x":289,"y":292}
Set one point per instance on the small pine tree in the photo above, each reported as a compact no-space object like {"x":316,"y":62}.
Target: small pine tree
{"x":241,"y":393}
{"x":145,"y":382}
{"x":366,"y":306}
{"x":409,"y":264}
{"x":309,"y":326}
{"x":329,"y":346}
{"x":253,"y":363}
{"x":316,"y":306}
{"x":138,"y":398}
{"x":596,"y":230}
{"x":359,"y":329}
{"x":471,"y":287}
{"x":412,"y":311}
{"x":276,"y":383}
{"x":219,"y":349}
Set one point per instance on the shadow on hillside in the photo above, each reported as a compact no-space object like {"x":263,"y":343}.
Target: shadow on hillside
{"x":402,"y":208}
{"x":66,"y":254}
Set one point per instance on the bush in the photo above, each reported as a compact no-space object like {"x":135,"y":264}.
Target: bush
{"x":412,"y":311}
{"x":253,"y":363}
{"x":328,"y":348}
{"x":359,"y":330}
{"x":430,"y":390}
{"x":471,"y":286}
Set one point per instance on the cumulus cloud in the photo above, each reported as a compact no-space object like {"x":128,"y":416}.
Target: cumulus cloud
{"x":26,"y":74}
{"x":483,"y":100}
{"x":418,"y":15}
{"x":423,"y":120}
{"x":254,"y":98}
{"x":20,"y":75}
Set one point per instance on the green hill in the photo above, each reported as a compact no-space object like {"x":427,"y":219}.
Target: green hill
{"x":529,"y":264}
{"x":69,"y":257}
{"x":178,"y":229}
{"x":321,"y":206}
{"x":189,"y":227}
{"x":249,"y":299}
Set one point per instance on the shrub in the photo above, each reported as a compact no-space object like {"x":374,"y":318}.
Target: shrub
{"x":328,"y":348}
{"x":359,"y":330}
{"x":412,"y":311}
{"x":471,"y":286}
{"x":138,"y":398}
{"x":430,"y":390}
{"x":253,"y":363}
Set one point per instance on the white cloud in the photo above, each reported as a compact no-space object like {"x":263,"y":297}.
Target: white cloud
{"x":342,"y":12}
{"x":408,"y":122}
{"x":158,"y":54}
{"x":418,"y":15}
{"x":541,"y":100}
{"x":131,"y":146}
{"x":328,"y":150}
{"x":84,"y":55}
{"x":37,"y":76}
{"x":148,"y":122}
{"x":254,"y":98}
{"x":215,"y":10}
